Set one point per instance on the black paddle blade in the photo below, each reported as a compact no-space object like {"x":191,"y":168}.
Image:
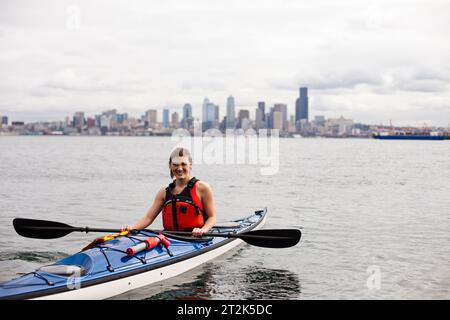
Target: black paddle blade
{"x":272,"y":238}
{"x":41,"y":229}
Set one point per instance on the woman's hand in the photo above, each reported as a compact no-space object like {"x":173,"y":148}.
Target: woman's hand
{"x":198,"y":232}
{"x":126,"y":228}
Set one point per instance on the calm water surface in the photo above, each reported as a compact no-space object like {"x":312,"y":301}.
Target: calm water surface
{"x":374,"y":214}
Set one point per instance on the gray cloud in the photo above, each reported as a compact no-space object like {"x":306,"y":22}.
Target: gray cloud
{"x":68,"y":80}
{"x":347,"y":80}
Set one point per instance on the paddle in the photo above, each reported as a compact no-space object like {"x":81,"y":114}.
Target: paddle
{"x":270,"y":238}
{"x":42,"y":229}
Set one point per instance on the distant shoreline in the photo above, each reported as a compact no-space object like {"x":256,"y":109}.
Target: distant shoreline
{"x":168,"y":136}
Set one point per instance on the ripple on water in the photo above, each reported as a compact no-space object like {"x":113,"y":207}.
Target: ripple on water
{"x":32,"y":256}
{"x":248,"y":283}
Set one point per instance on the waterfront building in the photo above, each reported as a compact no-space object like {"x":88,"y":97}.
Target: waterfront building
{"x":319,"y":120}
{"x":111,"y":116}
{"x":269,"y":119}
{"x":281,"y":107}
{"x":187,"y":111}
{"x":301,"y":106}
{"x":231,"y":113}
{"x":105,"y":123}
{"x":122,"y":118}
{"x":262,"y":107}
{"x":205,"y":109}
{"x":315,"y":127}
{"x":98,"y":120}
{"x":291,"y":126}
{"x":304,"y":127}
{"x":210,"y":116}
{"x":211,"y":112}
{"x":186,"y":121}
{"x":245,"y":124}
{"x":243,"y":114}
{"x":166,"y":123}
{"x":216,"y":113}
{"x":175,"y":121}
{"x":277,"y":120}
{"x":259,"y":119}
{"x":68,"y":121}
{"x":151,"y":118}
{"x":78,"y":120}
{"x":339,"y":126}
{"x":91,"y":123}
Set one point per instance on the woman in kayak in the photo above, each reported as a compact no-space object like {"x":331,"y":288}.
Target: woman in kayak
{"x":186,"y":204}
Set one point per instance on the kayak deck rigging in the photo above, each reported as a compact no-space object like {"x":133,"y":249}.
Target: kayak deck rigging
{"x":108,"y":261}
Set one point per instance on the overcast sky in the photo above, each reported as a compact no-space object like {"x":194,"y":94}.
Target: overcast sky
{"x":372,"y":61}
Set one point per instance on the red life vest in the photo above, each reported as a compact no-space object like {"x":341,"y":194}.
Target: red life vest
{"x":183,"y":211}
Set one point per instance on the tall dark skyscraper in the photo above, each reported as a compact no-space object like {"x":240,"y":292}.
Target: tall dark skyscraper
{"x":262,"y":107}
{"x":166,"y":122}
{"x":187,"y":120}
{"x":187,"y":111}
{"x":301,"y":105}
{"x":231,"y":113}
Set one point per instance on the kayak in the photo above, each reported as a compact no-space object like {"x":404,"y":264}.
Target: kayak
{"x":113,"y":267}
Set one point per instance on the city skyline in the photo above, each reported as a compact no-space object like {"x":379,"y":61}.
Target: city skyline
{"x":374,"y":62}
{"x":197,"y":112}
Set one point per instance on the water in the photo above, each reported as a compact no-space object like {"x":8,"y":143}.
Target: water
{"x":374,"y":214}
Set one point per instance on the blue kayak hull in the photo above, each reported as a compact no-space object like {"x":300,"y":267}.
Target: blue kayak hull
{"x":106,"y":270}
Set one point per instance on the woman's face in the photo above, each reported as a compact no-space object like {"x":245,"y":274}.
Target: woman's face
{"x":181,"y":167}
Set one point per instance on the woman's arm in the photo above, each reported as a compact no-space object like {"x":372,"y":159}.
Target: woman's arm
{"x":207,"y":197}
{"x":152,"y":213}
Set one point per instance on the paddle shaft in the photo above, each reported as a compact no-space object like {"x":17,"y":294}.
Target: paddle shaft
{"x":183,"y":233}
{"x":41,"y":229}
{"x":74,"y":229}
{"x":229,"y":235}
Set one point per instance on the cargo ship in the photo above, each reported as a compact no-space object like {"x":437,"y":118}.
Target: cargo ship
{"x":402,"y":135}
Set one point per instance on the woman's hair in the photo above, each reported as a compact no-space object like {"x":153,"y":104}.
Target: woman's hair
{"x":179,"y":152}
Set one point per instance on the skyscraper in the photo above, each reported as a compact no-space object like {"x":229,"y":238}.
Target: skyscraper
{"x":269,"y":119}
{"x":259,"y":123}
{"x":243,"y":114}
{"x":216,"y":113}
{"x":186,"y":121}
{"x":91,"y":123}
{"x":78,"y":120}
{"x":281,"y":107}
{"x":210,"y":116}
{"x":166,"y":118}
{"x":187,"y":111}
{"x":301,"y":106}
{"x":175,"y":121}
{"x":277,"y":120}
{"x":262,"y":107}
{"x":231,"y":114}
{"x":150,"y":118}
{"x":205,"y":110}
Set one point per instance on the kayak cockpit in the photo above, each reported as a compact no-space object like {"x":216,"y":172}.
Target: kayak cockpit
{"x":77,"y":265}
{"x":64,"y":270}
